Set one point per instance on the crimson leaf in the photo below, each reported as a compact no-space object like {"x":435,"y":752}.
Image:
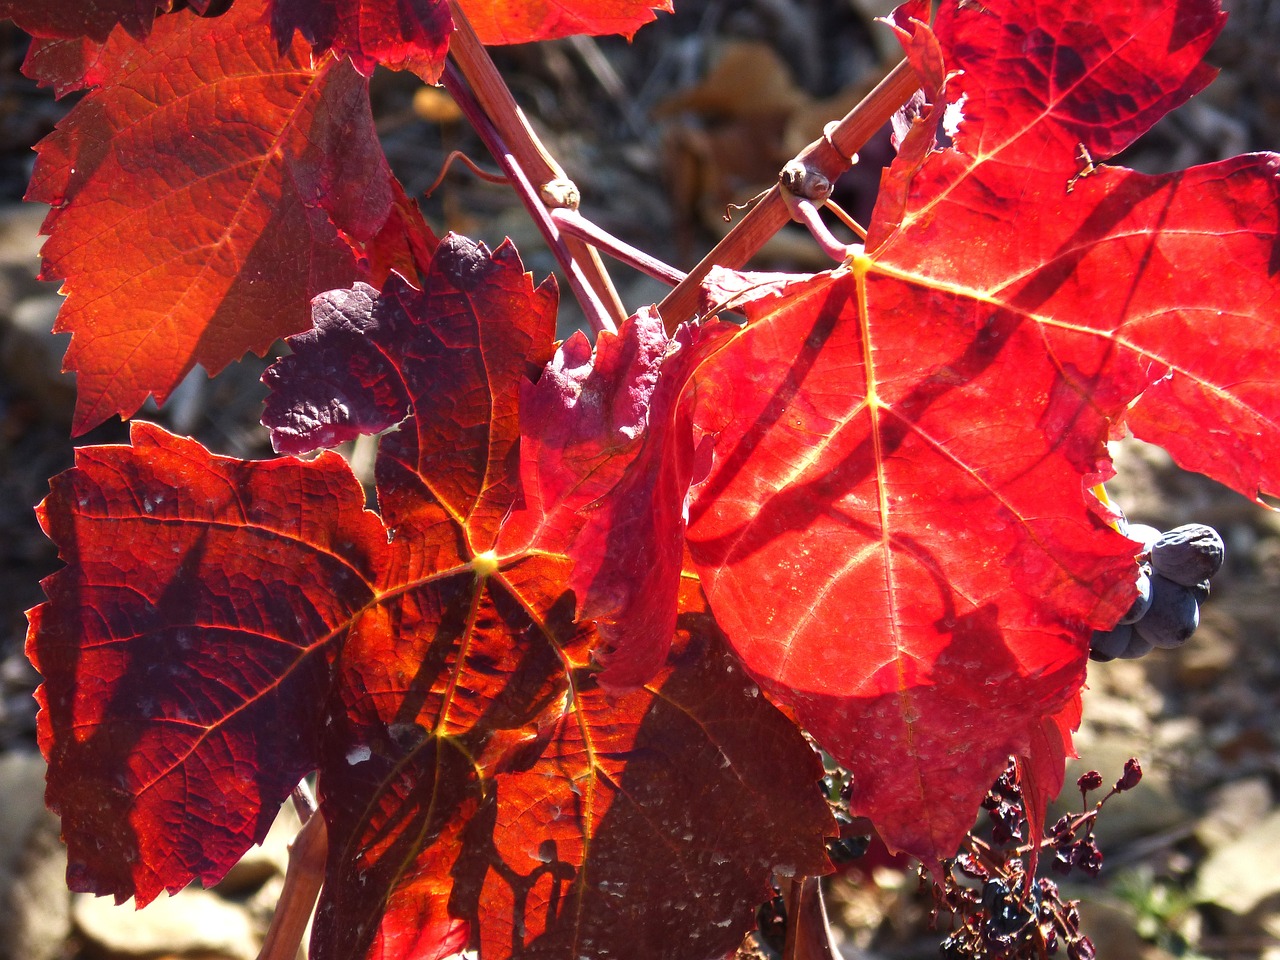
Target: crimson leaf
{"x":896,"y":533}
{"x":200,"y":198}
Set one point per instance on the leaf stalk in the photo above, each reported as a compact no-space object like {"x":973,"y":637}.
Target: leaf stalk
{"x":472,"y":75}
{"x":575,"y":224}
{"x":830,"y":155}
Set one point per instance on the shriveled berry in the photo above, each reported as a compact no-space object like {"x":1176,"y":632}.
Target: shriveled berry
{"x":1091,"y":780}
{"x":1082,"y":949}
{"x":1188,"y":554}
{"x":1086,"y":855}
{"x":1131,"y":776}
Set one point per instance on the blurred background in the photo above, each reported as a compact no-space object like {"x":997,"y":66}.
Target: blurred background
{"x":661,"y":134}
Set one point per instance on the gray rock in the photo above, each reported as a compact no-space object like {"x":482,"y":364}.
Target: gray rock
{"x":1233,"y":809}
{"x":35,"y":906}
{"x":193,"y":921}
{"x":1242,"y":875}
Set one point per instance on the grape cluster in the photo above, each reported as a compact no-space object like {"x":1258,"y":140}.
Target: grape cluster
{"x":999,"y":910}
{"x":1174,"y":569}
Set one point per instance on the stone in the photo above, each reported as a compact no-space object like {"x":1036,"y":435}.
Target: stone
{"x":35,"y":905}
{"x":191,"y":922}
{"x":1232,"y":809}
{"x":1240,"y":876}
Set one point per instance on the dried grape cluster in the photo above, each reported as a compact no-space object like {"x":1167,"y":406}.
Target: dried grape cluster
{"x":1004,"y":911}
{"x":1174,"y":569}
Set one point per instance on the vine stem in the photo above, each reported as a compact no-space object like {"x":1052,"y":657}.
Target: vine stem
{"x":302,"y":881}
{"x":477,"y":87}
{"x":830,"y":156}
{"x":808,"y":930}
{"x":575,"y":224}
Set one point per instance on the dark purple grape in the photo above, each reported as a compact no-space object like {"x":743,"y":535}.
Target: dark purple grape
{"x":1188,"y":554}
{"x":1173,"y":616}
{"x":1142,"y":602}
{"x":1106,"y":645}
{"x":994,"y":893}
{"x":1201,"y":591}
{"x":1144,"y":533}
{"x":1139,"y":646}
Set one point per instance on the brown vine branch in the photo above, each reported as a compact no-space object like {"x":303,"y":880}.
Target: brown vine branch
{"x":808,"y":930}
{"x":596,"y":313}
{"x":302,"y":881}
{"x":828,"y":156}
{"x":537,"y":166}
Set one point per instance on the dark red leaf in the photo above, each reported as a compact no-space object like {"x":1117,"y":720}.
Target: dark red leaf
{"x":200,"y":200}
{"x":404,"y":244}
{"x":463,"y":380}
{"x":531,"y":20}
{"x":202,"y":604}
{"x":1042,"y":770}
{"x":399,"y":34}
{"x":93,"y":19}
{"x":607,"y":459}
{"x":65,"y":65}
{"x":896,"y":534}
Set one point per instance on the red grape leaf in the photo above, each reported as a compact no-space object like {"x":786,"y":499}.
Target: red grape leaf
{"x":80,"y":18}
{"x":608,"y":455}
{"x":199,"y":201}
{"x":488,"y":693}
{"x":404,"y":244}
{"x":202,"y":602}
{"x":479,"y":786}
{"x":65,"y":64}
{"x":1042,"y":769}
{"x":896,"y":533}
{"x":399,"y":34}
{"x":532,"y":20}
{"x":473,"y":677}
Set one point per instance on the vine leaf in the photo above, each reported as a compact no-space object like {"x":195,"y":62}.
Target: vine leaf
{"x":164,"y":682}
{"x":480,"y":787}
{"x":533,"y":20}
{"x":200,"y":199}
{"x":93,"y":19}
{"x":414,"y":34}
{"x":1041,"y":772}
{"x":399,"y":34}
{"x":896,"y":533}
{"x":607,"y":455}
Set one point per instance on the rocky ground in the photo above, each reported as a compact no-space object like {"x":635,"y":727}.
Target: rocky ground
{"x":660,"y":139}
